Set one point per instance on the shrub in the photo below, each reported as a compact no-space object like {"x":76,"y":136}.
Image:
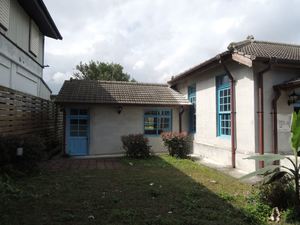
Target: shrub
{"x":178,"y":144}
{"x":256,"y":211}
{"x":277,"y":194}
{"x":33,"y":151}
{"x":136,"y":146}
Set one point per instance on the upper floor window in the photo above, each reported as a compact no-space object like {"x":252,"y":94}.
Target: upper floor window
{"x":157,"y":121}
{"x":192,"y":112}
{"x":223,"y":105}
{"x":34,"y":38}
{"x":4,"y":14}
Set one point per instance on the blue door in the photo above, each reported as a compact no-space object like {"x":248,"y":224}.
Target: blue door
{"x":77,"y":131}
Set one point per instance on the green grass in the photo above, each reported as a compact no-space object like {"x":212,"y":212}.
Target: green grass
{"x":160,"y":190}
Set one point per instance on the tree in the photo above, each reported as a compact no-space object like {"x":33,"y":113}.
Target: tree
{"x":273,"y":172}
{"x":95,"y":70}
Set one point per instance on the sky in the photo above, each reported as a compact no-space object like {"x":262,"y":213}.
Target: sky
{"x":156,"y":39}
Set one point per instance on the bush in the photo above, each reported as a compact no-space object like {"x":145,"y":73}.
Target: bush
{"x":256,"y":211}
{"x":33,"y":151}
{"x":136,"y":146}
{"x":279,"y":194}
{"x":178,"y":144}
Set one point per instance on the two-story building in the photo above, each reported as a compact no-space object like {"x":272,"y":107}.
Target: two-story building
{"x":23,"y":27}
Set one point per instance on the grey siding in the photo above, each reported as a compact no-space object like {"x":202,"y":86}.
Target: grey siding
{"x":19,"y":68}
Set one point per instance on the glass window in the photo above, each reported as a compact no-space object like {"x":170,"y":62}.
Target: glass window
{"x":157,"y":121}
{"x":223,"y":106}
{"x":192,"y":111}
{"x":78,"y":122}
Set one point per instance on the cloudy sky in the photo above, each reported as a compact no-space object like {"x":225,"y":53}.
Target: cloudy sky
{"x":155,"y":39}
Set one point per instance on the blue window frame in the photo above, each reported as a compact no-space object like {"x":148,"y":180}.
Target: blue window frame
{"x":157,"y":121}
{"x":223,"y":106}
{"x":192,"y":111}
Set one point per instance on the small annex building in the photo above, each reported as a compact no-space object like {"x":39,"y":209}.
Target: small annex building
{"x":98,"y":113}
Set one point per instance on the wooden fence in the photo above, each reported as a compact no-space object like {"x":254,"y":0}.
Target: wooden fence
{"x":22,"y":114}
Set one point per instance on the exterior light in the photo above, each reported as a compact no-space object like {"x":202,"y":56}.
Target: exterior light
{"x":120,"y":109}
{"x":293,"y":98}
{"x":19,"y":151}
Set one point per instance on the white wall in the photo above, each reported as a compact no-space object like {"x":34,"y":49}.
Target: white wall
{"x":277,"y":76}
{"x":206,"y":142}
{"x":107,"y":127}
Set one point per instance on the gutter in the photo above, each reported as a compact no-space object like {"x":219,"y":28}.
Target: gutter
{"x":232,"y":114}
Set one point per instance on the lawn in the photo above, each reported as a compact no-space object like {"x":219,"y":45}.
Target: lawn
{"x":160,"y":190}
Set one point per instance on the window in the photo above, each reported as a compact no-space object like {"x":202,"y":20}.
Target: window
{"x":4,"y":14}
{"x":34,"y":38}
{"x":192,"y":111}
{"x":157,"y":121}
{"x":78,"y":122}
{"x":223,"y":106}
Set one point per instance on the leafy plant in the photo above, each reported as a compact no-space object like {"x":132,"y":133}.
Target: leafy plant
{"x":178,"y":144}
{"x":273,"y":172}
{"x":136,"y":146}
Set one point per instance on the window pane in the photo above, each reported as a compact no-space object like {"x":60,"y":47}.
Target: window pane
{"x":74,"y":112}
{"x":83,"y":112}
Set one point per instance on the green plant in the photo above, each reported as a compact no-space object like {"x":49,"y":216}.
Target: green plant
{"x":178,"y":144}
{"x":255,"y":209}
{"x":273,"y":172}
{"x":279,"y":193}
{"x":136,"y":146}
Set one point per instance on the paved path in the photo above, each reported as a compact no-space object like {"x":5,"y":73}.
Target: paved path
{"x":77,"y":164}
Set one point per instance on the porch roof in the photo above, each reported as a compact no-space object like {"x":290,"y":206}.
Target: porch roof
{"x":119,"y":92}
{"x":290,"y":84}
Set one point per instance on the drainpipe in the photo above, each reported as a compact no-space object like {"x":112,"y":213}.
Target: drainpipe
{"x":260,"y":95}
{"x":275,"y":131}
{"x":232,"y":114}
{"x":181,"y":111}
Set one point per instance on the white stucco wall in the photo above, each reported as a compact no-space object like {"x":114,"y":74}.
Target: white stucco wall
{"x":107,"y":127}
{"x":206,"y":142}
{"x":276,"y":76}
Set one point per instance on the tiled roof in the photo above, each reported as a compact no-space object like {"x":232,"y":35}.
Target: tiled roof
{"x":118,"y":92}
{"x":254,"y":50}
{"x":263,"y":49}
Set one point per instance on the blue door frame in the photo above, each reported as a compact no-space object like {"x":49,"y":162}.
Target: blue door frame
{"x":77,"y":131}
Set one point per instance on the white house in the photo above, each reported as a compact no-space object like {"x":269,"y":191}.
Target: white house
{"x":243,"y":100}
{"x":235,"y":104}
{"x":23,"y":27}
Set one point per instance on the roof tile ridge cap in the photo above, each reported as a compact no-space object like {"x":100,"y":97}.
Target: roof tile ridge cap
{"x":277,"y":43}
{"x":130,"y":83}
{"x":233,"y":46}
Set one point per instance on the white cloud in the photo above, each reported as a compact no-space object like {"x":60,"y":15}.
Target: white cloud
{"x":138,"y":65}
{"x":155,"y":39}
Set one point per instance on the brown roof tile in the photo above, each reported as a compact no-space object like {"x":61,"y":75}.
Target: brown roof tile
{"x":118,"y":92}
{"x":254,"y":50}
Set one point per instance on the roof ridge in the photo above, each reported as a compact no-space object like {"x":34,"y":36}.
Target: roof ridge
{"x":121,"y":82}
{"x":277,"y":43}
{"x":233,"y":45}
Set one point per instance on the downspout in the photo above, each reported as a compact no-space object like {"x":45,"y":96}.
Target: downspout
{"x":260,"y":95}
{"x":275,"y":131}
{"x":232,"y":114}
{"x":181,"y":111}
